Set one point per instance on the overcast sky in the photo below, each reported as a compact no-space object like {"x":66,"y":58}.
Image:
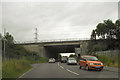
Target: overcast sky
{"x":55,"y":20}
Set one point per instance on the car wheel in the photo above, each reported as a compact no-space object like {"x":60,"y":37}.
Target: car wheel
{"x":100,"y":69}
{"x":80,"y":67}
{"x":87,"y":68}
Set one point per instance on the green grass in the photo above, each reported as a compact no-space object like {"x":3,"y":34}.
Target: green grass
{"x":13,"y":68}
{"x":0,"y":70}
{"x":109,"y":61}
{"x":36,"y":60}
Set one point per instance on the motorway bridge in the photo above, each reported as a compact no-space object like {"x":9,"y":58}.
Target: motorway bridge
{"x":53,"y":48}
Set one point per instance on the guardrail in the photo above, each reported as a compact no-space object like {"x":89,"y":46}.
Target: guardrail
{"x":53,"y":40}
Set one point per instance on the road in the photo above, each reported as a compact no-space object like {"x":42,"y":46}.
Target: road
{"x":62,"y":70}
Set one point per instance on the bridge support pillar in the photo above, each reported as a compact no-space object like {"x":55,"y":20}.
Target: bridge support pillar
{"x":42,"y":51}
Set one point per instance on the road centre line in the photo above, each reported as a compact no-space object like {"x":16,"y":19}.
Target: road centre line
{"x":68,"y":69}
{"x":72,"y":72}
{"x":58,"y":64}
{"x":62,"y":67}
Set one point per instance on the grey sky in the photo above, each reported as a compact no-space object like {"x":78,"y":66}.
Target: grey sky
{"x":55,"y":20}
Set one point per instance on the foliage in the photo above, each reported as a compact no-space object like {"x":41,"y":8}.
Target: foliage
{"x":13,"y":50}
{"x":98,"y":47}
{"x":93,"y":35}
{"x":104,"y":59}
{"x":14,"y":68}
{"x":106,"y":36}
{"x":35,"y":59}
{"x":107,"y":30}
{"x":17,"y":59}
{"x":108,"y":61}
{"x":117,"y":31}
{"x":72,"y":55}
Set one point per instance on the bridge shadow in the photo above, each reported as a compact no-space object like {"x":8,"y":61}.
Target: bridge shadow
{"x":53,"y":51}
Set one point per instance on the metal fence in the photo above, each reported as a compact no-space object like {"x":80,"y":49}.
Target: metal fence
{"x":109,"y":53}
{"x":51,"y":40}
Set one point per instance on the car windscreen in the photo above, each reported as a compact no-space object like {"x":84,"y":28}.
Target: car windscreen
{"x":92,"y":59}
{"x":64,"y":58}
{"x":71,"y":59}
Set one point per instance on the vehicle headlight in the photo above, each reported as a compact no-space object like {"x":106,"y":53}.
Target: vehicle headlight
{"x":101,"y":63}
{"x":91,"y":63}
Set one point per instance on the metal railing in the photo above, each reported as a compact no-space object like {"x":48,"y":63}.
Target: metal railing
{"x":51,"y":40}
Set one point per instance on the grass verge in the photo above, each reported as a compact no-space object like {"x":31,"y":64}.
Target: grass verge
{"x":109,"y":61}
{"x":14,"y":68}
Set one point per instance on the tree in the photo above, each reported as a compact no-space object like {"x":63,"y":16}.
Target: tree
{"x":117,"y":31}
{"x":110,"y":29}
{"x":93,"y":35}
{"x":101,"y":30}
{"x":106,"y":30}
{"x":72,"y":55}
{"x":9,"y":38}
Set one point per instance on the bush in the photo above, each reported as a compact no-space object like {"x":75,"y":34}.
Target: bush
{"x":103,"y":58}
{"x":109,"y":61}
{"x":14,"y":68}
{"x":35,"y":59}
{"x":43,"y":60}
{"x":98,"y":47}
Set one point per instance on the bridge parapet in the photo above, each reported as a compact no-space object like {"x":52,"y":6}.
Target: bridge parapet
{"x":54,"y":40}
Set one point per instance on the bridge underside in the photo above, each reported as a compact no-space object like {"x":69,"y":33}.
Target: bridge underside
{"x":53,"y":51}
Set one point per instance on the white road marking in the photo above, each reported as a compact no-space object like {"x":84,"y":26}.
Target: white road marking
{"x":72,"y":72}
{"x":25,"y":73}
{"x":58,"y":64}
{"x":67,"y":69}
{"x":62,"y":67}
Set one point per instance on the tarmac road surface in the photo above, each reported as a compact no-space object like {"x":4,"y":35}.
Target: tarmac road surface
{"x":62,"y":70}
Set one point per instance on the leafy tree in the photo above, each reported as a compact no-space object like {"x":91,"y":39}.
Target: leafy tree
{"x":13,"y":50}
{"x":9,"y":38}
{"x":107,"y":30}
{"x":108,"y":36}
{"x":93,"y":35}
{"x":101,"y":30}
{"x":110,"y":29}
{"x":72,"y":55}
{"x":117,"y":31}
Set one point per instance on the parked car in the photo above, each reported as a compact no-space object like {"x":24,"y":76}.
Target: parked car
{"x":63,"y":59}
{"x":90,"y":62}
{"x":51,"y":60}
{"x":72,"y":61}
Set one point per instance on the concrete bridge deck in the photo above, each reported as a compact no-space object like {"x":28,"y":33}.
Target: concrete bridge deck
{"x":52,"y":49}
